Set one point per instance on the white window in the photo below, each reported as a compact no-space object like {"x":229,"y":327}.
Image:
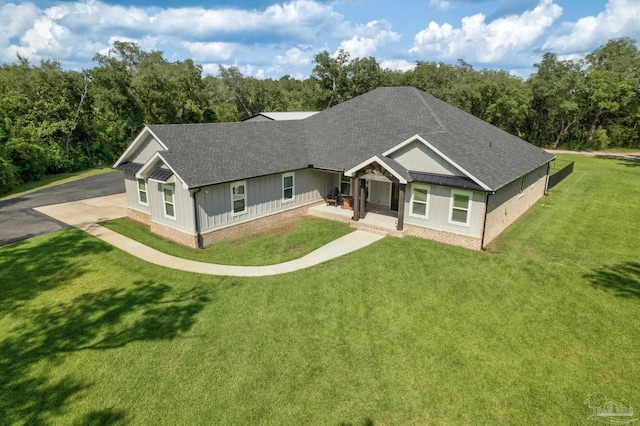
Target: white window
{"x":345,"y":185}
{"x":460,"y":211}
{"x":419,"y":204}
{"x":239,"y":198}
{"x":287,"y":188}
{"x":142,"y":192}
{"x":169,"y":210}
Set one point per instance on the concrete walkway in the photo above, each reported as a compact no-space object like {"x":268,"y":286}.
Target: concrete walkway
{"x":86,"y":213}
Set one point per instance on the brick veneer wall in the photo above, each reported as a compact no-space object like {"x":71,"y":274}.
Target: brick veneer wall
{"x":139,"y":216}
{"x":175,"y":235}
{"x":508,"y":204}
{"x":473,"y":243}
{"x":254,"y":224}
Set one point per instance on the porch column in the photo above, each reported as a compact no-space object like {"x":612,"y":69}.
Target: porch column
{"x":363,"y":198}
{"x":401,"y":206}
{"x":356,"y":200}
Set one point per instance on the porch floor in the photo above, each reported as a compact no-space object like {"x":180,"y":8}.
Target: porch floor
{"x":379,"y":221}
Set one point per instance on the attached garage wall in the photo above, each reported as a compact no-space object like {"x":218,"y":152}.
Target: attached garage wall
{"x":512,"y":201}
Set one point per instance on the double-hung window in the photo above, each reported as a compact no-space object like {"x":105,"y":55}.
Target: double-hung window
{"x":288,"y":188}
{"x":169,"y":203}
{"x":142,"y":192}
{"x":460,"y":207}
{"x":239,"y":198}
{"x":419,"y":204}
{"x":345,"y":185}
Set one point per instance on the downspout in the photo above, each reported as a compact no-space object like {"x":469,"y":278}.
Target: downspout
{"x":546,"y":183}
{"x":197,"y":218}
{"x":484,"y":225}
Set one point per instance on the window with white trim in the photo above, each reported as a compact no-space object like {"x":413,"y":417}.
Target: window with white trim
{"x":239,"y":198}
{"x":345,"y":185}
{"x":142,"y":192}
{"x":419,"y":204}
{"x":288,"y":188}
{"x":169,"y":204}
{"x":459,"y":212}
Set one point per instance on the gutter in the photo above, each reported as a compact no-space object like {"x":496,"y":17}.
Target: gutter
{"x":197,"y":218}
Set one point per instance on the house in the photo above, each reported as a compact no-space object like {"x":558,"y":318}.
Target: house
{"x":280,"y":116}
{"x":441,"y":173}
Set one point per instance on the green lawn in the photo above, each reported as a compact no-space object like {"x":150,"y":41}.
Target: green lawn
{"x":401,"y":332}
{"x":280,"y":243}
{"x":54,"y":180}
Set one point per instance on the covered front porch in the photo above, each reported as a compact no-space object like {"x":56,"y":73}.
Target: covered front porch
{"x":379,"y":221}
{"x":379,"y":191}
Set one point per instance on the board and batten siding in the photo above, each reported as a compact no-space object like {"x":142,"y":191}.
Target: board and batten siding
{"x":380,"y":193}
{"x":182,"y":205}
{"x":418,"y":157}
{"x":131,"y":188}
{"x":440,"y":208}
{"x":264,"y":196}
{"x":145,"y":151}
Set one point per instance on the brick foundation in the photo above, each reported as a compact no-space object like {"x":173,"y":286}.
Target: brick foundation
{"x":253,"y":225}
{"x":175,"y":235}
{"x":473,"y":243}
{"x":139,"y":216}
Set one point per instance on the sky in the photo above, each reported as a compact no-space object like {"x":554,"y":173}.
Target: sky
{"x":270,"y":39}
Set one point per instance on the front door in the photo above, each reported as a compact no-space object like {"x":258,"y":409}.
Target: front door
{"x":395,"y":196}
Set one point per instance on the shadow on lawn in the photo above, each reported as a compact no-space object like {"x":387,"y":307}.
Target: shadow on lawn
{"x":27,"y":269}
{"x":44,"y":336}
{"x":623,"y":278}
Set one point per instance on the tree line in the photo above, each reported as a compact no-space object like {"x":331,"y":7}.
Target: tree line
{"x":53,"y":120}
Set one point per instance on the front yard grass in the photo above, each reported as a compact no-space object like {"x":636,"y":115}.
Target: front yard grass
{"x":404,"y":331}
{"x":286,"y":241}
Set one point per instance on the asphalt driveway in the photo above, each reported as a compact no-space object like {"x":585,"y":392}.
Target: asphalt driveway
{"x":19,"y":221}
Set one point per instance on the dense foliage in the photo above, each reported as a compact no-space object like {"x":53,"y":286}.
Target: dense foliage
{"x":52,"y":120}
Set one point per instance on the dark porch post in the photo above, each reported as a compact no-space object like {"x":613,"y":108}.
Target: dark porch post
{"x":363,"y":198}
{"x":356,"y":200}
{"x":401,"y":206}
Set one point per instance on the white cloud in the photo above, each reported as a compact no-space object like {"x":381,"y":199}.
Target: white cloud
{"x":440,"y":4}
{"x":397,"y":65}
{"x":367,"y":38}
{"x":301,"y":55}
{"x":620,"y":18}
{"x":210,"y":51}
{"x":485,"y":42}
{"x":68,"y":29}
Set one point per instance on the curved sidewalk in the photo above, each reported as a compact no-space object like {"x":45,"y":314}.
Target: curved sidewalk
{"x":86,"y":213}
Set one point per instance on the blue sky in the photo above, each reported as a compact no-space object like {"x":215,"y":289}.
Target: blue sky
{"x":268,"y":39}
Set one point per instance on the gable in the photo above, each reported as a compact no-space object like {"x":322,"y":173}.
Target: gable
{"x":418,"y":157}
{"x":145,"y":151}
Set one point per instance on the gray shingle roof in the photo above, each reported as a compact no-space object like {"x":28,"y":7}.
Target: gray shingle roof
{"x":344,"y":136}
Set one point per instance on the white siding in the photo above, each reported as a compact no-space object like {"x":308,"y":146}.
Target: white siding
{"x":264,"y":196}
{"x":380,"y":193}
{"x":418,"y":157}
{"x":439,"y":210}
{"x":131,"y":188}
{"x":145,"y":151}
{"x":183,"y":207}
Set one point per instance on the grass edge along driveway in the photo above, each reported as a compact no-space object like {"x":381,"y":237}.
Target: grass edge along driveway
{"x":405,"y":331}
